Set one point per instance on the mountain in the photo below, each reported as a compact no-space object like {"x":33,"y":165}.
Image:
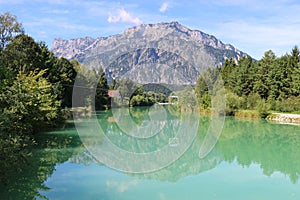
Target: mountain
{"x":150,"y":53}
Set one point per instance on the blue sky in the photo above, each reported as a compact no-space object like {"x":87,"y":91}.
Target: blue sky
{"x":253,"y":26}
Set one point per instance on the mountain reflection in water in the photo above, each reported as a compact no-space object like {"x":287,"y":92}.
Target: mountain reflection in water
{"x":273,"y":147}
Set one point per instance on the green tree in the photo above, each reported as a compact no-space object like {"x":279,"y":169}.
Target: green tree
{"x":202,"y":93}
{"x":29,"y":105}
{"x":62,"y":74}
{"x":263,"y":108}
{"x":233,"y":102}
{"x":188,"y":98}
{"x":22,"y":54}
{"x":244,"y":77}
{"x":228,"y":73}
{"x":270,"y":83}
{"x":208,"y":84}
{"x":294,"y":71}
{"x":102,"y":100}
{"x":9,"y":27}
{"x":262,"y":84}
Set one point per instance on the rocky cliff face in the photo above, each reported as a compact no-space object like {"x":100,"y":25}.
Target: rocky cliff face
{"x":150,"y":53}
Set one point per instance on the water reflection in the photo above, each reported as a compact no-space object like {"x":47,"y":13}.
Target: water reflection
{"x":151,"y":146}
{"x":274,"y":147}
{"x":27,"y":178}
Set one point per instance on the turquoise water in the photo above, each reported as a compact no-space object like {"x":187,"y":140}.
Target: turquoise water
{"x":252,"y":159}
{"x":225,"y":181}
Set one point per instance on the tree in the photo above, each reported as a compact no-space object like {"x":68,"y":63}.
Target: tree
{"x":227,"y":71}
{"x":9,"y":27}
{"x":294,"y":71}
{"x":244,"y":73}
{"x":207,"y":85}
{"x":62,"y":74}
{"x":202,"y":92}
{"x":262,"y":80}
{"x":29,"y":104}
{"x":233,"y":102}
{"x":188,"y":98}
{"x":22,"y":54}
{"x":102,"y":100}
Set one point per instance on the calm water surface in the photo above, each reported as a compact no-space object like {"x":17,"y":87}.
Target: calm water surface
{"x":253,"y":159}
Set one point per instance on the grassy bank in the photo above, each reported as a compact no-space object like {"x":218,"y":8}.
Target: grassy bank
{"x":247,"y":114}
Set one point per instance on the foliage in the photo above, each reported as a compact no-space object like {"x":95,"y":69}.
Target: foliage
{"x":187,"y":98}
{"x":158,"y":88}
{"x":102,"y":100}
{"x":233,"y":102}
{"x":202,"y":93}
{"x":133,"y":94}
{"x":205,"y":87}
{"x":34,"y":88}
{"x":263,"y":108}
{"x":24,"y":55}
{"x":62,"y":74}
{"x":247,"y":114}
{"x":143,"y":99}
{"x":9,"y":27}
{"x":274,"y":146}
{"x":268,"y":84}
{"x":25,"y":169}
{"x":29,"y":104}
{"x":91,"y":88}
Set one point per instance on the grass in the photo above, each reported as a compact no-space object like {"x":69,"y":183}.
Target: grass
{"x":247,"y":114}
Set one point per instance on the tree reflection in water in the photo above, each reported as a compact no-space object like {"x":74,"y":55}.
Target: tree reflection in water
{"x":26,"y":178}
{"x":275,"y":147}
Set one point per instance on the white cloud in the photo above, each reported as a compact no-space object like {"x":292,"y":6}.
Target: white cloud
{"x":124,"y":16}
{"x":121,"y":186}
{"x":164,"y":7}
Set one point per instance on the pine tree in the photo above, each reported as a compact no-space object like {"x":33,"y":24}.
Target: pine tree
{"x":102,"y":100}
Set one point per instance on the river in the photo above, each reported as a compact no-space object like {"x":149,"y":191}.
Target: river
{"x":143,"y":153}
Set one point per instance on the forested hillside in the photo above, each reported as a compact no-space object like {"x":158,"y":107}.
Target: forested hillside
{"x":272,"y":83}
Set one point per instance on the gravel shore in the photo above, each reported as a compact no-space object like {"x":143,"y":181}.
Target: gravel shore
{"x":284,"y":118}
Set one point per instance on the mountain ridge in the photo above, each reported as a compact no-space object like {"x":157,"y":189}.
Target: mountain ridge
{"x":200,"y":50}
{"x":214,"y":42}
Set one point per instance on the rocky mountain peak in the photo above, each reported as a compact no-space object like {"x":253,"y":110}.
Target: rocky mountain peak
{"x":171,"y":37}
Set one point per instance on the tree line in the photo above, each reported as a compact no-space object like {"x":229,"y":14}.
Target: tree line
{"x":33,"y":89}
{"x":36,"y":88}
{"x":270,"y":84}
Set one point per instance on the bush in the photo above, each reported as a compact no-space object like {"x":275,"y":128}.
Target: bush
{"x":233,"y":103}
{"x":263,"y":108}
{"x":291,"y":104}
{"x":252,"y":101}
{"x":28,"y":105}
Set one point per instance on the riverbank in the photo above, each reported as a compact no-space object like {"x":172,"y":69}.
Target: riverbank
{"x":284,"y":118}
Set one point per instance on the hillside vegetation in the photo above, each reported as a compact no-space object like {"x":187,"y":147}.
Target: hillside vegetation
{"x":272,"y":83}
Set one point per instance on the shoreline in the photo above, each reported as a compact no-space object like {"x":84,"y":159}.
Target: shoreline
{"x":285,"y":118}
{"x":282,"y":118}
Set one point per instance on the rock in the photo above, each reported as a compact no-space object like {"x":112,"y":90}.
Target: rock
{"x":150,"y":53}
{"x":284,"y":118}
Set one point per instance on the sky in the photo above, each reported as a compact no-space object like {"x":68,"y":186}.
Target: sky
{"x":252,"y":26}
